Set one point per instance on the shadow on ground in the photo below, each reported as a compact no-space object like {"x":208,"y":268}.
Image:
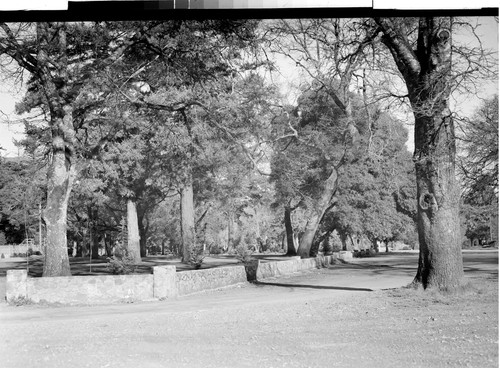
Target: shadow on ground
{"x":302,"y":286}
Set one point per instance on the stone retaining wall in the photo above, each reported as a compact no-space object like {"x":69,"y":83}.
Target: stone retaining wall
{"x":77,"y":289}
{"x":164,"y":283}
{"x":189,"y":282}
{"x":90,"y":290}
{"x":281,"y":268}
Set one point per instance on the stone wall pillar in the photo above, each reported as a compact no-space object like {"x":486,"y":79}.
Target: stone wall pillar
{"x":164,"y":282}
{"x":16,"y":286}
{"x":345,"y":255}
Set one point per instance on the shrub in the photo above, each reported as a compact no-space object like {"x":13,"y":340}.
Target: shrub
{"x":215,"y":249}
{"x":466,"y":244}
{"x":20,"y":301}
{"x":364,"y":253}
{"x":153,"y":250}
{"x":275,"y":247}
{"x":327,"y":247}
{"x":336,"y":242}
{"x":243,"y":253}
{"x":250,"y":241}
{"x":122,"y":263}
{"x":196,"y":256}
{"x":32,"y":252}
{"x":263,"y":245}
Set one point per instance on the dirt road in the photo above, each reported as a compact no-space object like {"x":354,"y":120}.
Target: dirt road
{"x":336,"y":317}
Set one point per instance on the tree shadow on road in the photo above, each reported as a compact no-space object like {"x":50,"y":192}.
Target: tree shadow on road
{"x":345,"y":288}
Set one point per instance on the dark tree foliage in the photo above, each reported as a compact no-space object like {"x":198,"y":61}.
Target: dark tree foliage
{"x":478,"y":160}
{"x":21,"y":191}
{"x":478,"y":138}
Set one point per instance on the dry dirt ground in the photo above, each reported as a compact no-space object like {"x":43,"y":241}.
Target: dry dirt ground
{"x":349,"y":315}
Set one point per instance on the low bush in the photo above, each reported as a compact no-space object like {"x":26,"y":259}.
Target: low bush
{"x":20,"y":301}
{"x":196,"y":257}
{"x":275,"y":248}
{"x":263,"y":245}
{"x":243,"y":253}
{"x":122,"y":263}
{"x":215,"y":249}
{"x":327,"y":247}
{"x":32,"y":252}
{"x":363,"y":253}
{"x":154,"y":250}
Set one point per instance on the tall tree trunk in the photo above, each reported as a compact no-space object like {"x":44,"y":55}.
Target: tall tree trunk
{"x":290,"y":244}
{"x":143,"y":239}
{"x":343,"y":240}
{"x":258,"y":239}
{"x":295,"y":241}
{"x":143,"y":231}
{"x":52,"y":64}
{"x":427,"y":73}
{"x":133,"y":237}
{"x":256,"y":218}
{"x":229,"y":232}
{"x":440,"y":258}
{"x":232,"y":231}
{"x":94,"y":235}
{"x":59,"y":182}
{"x":187,"y":220}
{"x":317,"y":241}
{"x":354,"y":245}
{"x":315,"y":218}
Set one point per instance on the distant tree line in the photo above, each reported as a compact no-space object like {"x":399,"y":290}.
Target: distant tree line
{"x":167,"y":136}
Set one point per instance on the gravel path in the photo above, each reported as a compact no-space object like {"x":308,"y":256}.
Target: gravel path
{"x":322,"y":318}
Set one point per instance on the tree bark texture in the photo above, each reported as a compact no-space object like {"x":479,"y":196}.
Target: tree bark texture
{"x":188,"y":231}
{"x":290,"y":244}
{"x":232,"y":231}
{"x":317,"y":241}
{"x":343,"y":240}
{"x":427,"y":73}
{"x":321,"y":205}
{"x":52,"y":66}
{"x":143,"y":240}
{"x":296,"y":241}
{"x":59,"y":183}
{"x":143,"y":229}
{"x":133,"y":237}
{"x":92,"y":214}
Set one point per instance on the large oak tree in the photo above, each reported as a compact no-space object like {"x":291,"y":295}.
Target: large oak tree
{"x":45,"y":57}
{"x":426,"y":67}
